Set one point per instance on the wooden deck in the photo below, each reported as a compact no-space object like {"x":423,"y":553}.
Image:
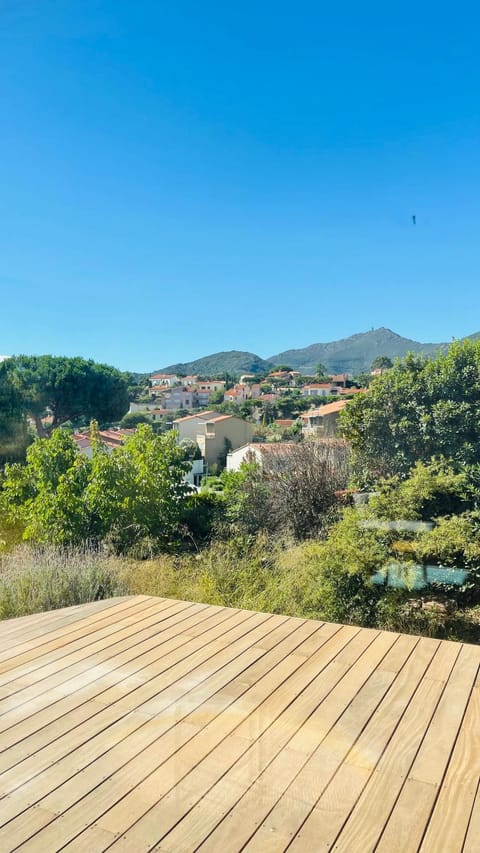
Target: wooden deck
{"x":142,"y":724}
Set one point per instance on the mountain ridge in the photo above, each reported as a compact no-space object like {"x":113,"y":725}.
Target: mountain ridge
{"x":353,"y":354}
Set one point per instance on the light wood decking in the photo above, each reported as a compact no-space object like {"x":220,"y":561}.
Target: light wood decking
{"x":142,"y":724}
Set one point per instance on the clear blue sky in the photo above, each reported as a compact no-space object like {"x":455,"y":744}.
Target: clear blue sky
{"x":178,"y":178}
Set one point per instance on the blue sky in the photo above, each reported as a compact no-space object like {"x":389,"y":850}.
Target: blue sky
{"x":179,"y":178}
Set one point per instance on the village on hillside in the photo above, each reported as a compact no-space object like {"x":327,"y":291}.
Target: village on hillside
{"x":227,"y":423}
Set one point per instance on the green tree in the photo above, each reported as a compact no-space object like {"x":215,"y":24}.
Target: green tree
{"x":381,"y":362}
{"x":246,"y":500}
{"x":14,"y":436}
{"x":132,"y":419}
{"x":68,"y":389}
{"x":419,"y":409}
{"x":132,"y":497}
{"x":321,"y":371}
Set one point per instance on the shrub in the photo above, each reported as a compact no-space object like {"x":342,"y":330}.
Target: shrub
{"x":37,"y":579}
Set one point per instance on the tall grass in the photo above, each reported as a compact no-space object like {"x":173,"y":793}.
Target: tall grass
{"x":37,"y":579}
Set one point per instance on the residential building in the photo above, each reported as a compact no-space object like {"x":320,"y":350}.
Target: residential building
{"x":165,"y":380}
{"x":323,"y":420}
{"x":158,"y":414}
{"x":211,"y":385}
{"x":320,"y":389}
{"x":110,"y":438}
{"x":340,"y":379}
{"x":277,"y":454}
{"x":189,"y":426}
{"x":221,"y":434}
{"x":215,"y":434}
{"x":196,"y":473}
{"x":180,"y":397}
{"x":204,"y":390}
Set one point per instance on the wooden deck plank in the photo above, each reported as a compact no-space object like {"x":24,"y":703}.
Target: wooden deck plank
{"x":27,"y":627}
{"x":473,"y":830}
{"x":143,"y":723}
{"x":66,"y":633}
{"x":99,"y":640}
{"x":412,"y":811}
{"x":211,"y":643}
{"x":174,"y":643}
{"x":278,"y":771}
{"x":332,"y":794}
{"x":373,"y":808}
{"x":236,"y":753}
{"x":78,"y":708}
{"x":89,"y":807}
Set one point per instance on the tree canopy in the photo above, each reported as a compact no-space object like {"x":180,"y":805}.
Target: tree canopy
{"x":131,"y":497}
{"x":13,"y":425}
{"x":382,"y":362}
{"x":419,"y":409}
{"x":68,"y":388}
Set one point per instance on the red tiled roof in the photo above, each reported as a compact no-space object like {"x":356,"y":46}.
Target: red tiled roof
{"x":329,"y":409}
{"x":320,"y":385}
{"x":220,"y":418}
{"x":202,"y":415}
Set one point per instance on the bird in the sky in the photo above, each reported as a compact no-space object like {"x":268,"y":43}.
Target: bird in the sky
{"x":414,"y":220}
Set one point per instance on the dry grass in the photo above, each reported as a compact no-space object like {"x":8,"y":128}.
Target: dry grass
{"x":37,"y":579}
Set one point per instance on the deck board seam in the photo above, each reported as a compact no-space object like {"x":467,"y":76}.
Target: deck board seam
{"x":57,"y":701}
{"x":172,"y":727}
{"x":129,"y":712}
{"x":284,"y":746}
{"x":136,"y":630}
{"x":272,"y":722}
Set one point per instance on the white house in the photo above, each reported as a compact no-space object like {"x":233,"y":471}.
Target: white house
{"x":276,"y":453}
{"x":320,"y":389}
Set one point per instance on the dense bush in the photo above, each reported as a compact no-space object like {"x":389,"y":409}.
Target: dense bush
{"x":418,"y":409}
{"x":131,"y":498}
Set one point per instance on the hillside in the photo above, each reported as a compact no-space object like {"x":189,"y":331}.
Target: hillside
{"x":350,"y":355}
{"x":354,"y":354}
{"x":233,"y":362}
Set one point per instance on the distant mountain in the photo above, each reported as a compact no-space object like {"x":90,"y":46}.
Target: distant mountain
{"x":349,"y":355}
{"x":233,"y":362}
{"x":354,"y":354}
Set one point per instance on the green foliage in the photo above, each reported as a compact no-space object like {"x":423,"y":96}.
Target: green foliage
{"x":417,"y":410}
{"x":14,"y":436}
{"x":201,"y":516}
{"x":133,"y":497}
{"x":431,"y":490}
{"x":381,"y":362}
{"x":132,"y":419}
{"x":68,"y":388}
{"x":245,"y":499}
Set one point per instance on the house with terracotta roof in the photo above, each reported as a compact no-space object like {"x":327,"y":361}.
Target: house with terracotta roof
{"x":276,"y":453}
{"x":323,"y":421}
{"x":320,"y":389}
{"x":110,"y":438}
{"x":340,"y":378}
{"x":162,"y":380}
{"x":215,"y":434}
